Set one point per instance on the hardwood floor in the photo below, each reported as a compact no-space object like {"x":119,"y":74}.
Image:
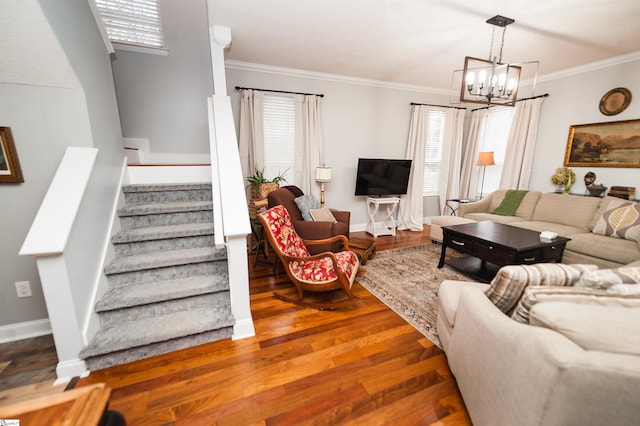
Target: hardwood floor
{"x":27,"y":361}
{"x":357,"y":365}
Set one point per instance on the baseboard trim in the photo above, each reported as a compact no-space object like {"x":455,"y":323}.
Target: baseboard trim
{"x":243,"y":329}
{"x":24,"y":330}
{"x":67,"y":370}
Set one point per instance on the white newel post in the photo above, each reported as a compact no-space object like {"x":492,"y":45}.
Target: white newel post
{"x":228,"y":186}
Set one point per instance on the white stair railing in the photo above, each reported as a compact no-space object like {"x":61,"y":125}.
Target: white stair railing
{"x":231,"y":215}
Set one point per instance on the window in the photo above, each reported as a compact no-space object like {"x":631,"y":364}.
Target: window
{"x":132,"y":22}
{"x":279,"y":136}
{"x":433,"y":152}
{"x":498,"y":125}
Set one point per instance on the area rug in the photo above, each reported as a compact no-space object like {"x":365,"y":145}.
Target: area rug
{"x":407,"y":281}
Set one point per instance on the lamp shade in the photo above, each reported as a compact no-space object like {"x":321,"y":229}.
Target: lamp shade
{"x":323,"y":174}
{"x":485,"y":159}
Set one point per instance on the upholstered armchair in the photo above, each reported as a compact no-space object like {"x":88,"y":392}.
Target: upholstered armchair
{"x":319,"y":273}
{"x":309,"y":229}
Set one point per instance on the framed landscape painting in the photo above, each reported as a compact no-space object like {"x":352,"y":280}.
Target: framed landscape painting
{"x":612,"y":144}
{"x":10,"y":171}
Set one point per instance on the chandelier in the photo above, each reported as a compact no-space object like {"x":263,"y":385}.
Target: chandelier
{"x":490,"y":81}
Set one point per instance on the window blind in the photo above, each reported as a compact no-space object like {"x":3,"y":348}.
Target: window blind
{"x":134,"y":22}
{"x":279,"y":136}
{"x":433,"y":152}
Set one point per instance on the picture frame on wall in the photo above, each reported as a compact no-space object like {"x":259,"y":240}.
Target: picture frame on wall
{"x":10,"y":171}
{"x":612,"y":144}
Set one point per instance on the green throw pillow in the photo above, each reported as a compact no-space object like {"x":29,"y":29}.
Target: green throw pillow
{"x":511,"y":202}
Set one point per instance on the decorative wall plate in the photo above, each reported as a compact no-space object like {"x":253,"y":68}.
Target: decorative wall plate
{"x":615,"y":101}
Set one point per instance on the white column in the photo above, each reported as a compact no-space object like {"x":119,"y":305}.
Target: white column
{"x":220,"y":39}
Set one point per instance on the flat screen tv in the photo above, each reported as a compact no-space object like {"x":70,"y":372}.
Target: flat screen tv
{"x":377,"y":177}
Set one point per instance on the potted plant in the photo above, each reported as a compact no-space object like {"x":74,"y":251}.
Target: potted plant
{"x":261,"y":186}
{"x":563,"y":178}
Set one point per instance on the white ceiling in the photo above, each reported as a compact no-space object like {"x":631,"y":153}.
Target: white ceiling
{"x":421,"y":42}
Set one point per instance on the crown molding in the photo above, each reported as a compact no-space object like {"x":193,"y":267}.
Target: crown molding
{"x":293,"y":72}
{"x":593,"y":66}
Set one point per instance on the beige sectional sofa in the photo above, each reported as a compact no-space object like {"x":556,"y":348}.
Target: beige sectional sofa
{"x":575,"y":364}
{"x":570,"y":216}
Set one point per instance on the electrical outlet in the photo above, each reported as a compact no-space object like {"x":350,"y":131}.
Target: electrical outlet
{"x":23,"y":288}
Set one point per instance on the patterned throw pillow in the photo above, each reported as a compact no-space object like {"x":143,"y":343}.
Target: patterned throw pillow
{"x":306,"y":203}
{"x":322,"y":215}
{"x":539,"y":294}
{"x":604,"y":279}
{"x":620,"y":220}
{"x":510,"y":281}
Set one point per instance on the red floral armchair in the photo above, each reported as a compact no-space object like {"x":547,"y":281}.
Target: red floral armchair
{"x":317,"y":273}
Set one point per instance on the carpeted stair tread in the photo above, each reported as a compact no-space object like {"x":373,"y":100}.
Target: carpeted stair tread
{"x":158,"y":291}
{"x":146,"y":261}
{"x":165,"y":187}
{"x":157,"y":329}
{"x":163,"y":232}
{"x":163,"y":208}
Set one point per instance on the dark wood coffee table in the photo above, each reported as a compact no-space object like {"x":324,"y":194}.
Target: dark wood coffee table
{"x":491,"y":245}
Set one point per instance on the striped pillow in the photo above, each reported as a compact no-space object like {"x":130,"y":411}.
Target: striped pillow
{"x":540,"y":294}
{"x":511,"y":281}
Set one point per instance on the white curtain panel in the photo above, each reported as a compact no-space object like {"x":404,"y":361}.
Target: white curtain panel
{"x":251,"y":139}
{"x":309,"y":142}
{"x":469,"y":176}
{"x":449,"y":185}
{"x":411,"y":206}
{"x":518,"y":163}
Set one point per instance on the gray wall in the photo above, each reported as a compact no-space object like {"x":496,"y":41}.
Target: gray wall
{"x":45,"y":121}
{"x":575,"y":100}
{"x":358,"y":121}
{"x":164,"y":98}
{"x":361,"y":120}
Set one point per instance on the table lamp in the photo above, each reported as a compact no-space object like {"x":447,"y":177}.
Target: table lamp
{"x":323,"y":175}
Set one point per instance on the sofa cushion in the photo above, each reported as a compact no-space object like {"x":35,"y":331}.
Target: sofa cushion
{"x":620,"y":221}
{"x":306,"y":203}
{"x":594,"y":326}
{"x":538,"y":294}
{"x":536,"y":225}
{"x":565,"y":209}
{"x":449,"y":295}
{"x":603,"y":279}
{"x":611,"y":249}
{"x":511,"y":281}
{"x":492,"y":217}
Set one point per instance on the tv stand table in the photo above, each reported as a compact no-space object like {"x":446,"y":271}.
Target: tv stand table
{"x":388,"y":225}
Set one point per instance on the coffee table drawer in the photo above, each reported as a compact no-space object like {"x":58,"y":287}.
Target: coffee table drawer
{"x":461,"y":244}
{"x":553,"y":253}
{"x":491,"y":253}
{"x":533,"y":256}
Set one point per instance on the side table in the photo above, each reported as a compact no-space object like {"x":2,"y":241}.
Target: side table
{"x":459,"y":201}
{"x":388,"y":226}
{"x":364,"y":248}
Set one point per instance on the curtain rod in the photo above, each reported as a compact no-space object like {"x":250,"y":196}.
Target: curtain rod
{"x":279,"y":91}
{"x":439,"y":106}
{"x":517,"y":100}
